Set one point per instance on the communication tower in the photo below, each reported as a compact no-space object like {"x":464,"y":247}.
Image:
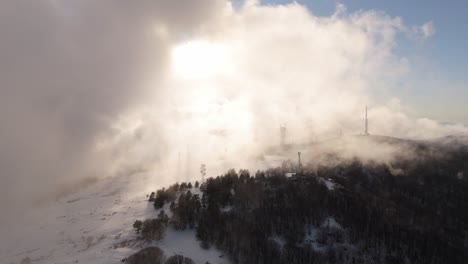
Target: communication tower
{"x":366,"y":125}
{"x":282,"y":136}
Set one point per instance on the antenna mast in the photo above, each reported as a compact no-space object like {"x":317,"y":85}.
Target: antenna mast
{"x":282,"y":136}
{"x":299,"y":163}
{"x":366,"y":128}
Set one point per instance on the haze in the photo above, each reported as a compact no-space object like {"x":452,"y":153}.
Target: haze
{"x":90,"y":89}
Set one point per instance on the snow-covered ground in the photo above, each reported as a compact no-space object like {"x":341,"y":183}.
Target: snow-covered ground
{"x":329,"y":183}
{"x":184,"y":243}
{"x":319,"y":237}
{"x":280,"y":241}
{"x":94,"y":225}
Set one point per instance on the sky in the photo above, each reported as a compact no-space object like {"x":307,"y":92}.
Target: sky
{"x":90,"y":89}
{"x":437,"y":86}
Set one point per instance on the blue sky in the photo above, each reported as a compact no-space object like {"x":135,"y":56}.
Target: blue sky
{"x":437,"y":86}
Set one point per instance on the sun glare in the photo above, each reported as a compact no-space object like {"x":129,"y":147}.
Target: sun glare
{"x":199,"y":59}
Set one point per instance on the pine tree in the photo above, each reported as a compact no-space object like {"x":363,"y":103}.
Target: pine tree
{"x":137,"y":226}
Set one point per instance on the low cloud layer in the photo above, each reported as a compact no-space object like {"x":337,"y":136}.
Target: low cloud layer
{"x":91,"y":87}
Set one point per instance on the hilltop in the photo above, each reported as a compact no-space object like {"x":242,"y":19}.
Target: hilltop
{"x":409,"y":211}
{"x":357,"y":199}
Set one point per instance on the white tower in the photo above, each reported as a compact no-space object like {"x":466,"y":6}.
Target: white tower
{"x":299,"y":163}
{"x":366,"y":125}
{"x":282,"y":136}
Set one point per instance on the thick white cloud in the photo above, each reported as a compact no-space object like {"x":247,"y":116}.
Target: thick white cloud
{"x":264,"y":66}
{"x":68,"y":69}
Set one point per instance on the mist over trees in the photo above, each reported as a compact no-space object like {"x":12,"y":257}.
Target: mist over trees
{"x":350,"y":213}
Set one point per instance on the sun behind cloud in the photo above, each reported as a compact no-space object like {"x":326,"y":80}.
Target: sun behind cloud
{"x":199,"y":59}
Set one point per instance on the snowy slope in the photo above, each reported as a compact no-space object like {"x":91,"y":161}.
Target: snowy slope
{"x":94,"y":225}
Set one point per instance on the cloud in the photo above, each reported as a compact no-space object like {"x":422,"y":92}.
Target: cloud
{"x":282,"y":65}
{"x":68,"y":70}
{"x":89,"y":87}
{"x":424,"y":31}
{"x":428,"y":29}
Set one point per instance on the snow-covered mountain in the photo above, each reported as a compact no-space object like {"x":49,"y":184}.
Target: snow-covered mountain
{"x":94,"y":225}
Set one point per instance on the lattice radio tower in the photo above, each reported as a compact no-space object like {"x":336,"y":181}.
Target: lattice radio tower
{"x":366,"y":125}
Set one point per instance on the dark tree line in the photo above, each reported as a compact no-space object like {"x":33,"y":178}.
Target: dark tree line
{"x":391,"y":219}
{"x":418,"y":216}
{"x":154,"y":255}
